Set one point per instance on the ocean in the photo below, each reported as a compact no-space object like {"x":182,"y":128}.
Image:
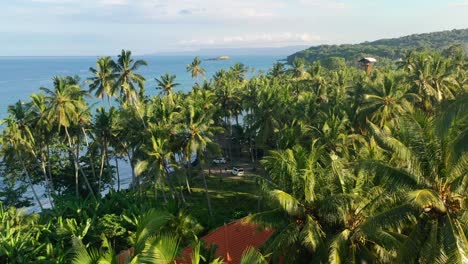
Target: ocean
{"x":22,"y":76}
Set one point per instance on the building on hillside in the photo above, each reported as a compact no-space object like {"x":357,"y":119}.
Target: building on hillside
{"x":367,"y":63}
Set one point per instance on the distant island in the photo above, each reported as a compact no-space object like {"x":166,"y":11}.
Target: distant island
{"x":219,"y":58}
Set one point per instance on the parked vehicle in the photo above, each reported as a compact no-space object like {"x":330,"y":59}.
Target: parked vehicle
{"x":237,"y":171}
{"x":220,"y":160}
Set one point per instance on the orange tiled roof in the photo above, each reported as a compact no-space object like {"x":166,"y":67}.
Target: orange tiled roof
{"x":231,"y":240}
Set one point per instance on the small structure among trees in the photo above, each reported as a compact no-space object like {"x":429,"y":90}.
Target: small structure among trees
{"x":367,"y":63}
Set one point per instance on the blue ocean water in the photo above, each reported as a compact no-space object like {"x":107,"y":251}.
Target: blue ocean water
{"x":22,"y":76}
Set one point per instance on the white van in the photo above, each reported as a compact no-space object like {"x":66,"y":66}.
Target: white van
{"x":237,"y":171}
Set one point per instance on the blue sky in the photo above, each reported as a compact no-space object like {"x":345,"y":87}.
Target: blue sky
{"x":103,"y":27}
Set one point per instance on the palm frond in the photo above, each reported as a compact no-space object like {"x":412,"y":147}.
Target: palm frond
{"x":338,"y":249}
{"x":312,"y":234}
{"x":287,"y":202}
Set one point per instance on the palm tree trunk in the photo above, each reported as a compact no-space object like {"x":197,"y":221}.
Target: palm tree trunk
{"x":133,"y":169}
{"x":118,"y":172}
{"x":101,"y":169}
{"x":91,"y":160}
{"x":28,"y":176}
{"x":230,"y":139}
{"x":109,"y":171}
{"x":155,"y":187}
{"x":189,"y":165}
{"x":48,"y":183}
{"x":49,"y":167}
{"x":49,"y":188}
{"x":205,"y":185}
{"x":77,"y":151}
{"x":182,"y":197}
{"x":75,"y":163}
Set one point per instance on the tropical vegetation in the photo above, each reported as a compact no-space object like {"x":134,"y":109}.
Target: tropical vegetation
{"x":345,"y":167}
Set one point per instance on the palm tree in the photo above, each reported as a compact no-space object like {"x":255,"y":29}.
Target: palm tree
{"x":298,"y":70}
{"x":129,"y":83}
{"x":291,"y":185}
{"x":17,"y":141}
{"x":32,"y":132}
{"x":195,"y":68}
{"x":64,"y":105}
{"x":386,"y":100}
{"x":102,"y":131}
{"x":103,"y":80}
{"x":277,"y":70}
{"x":431,"y":77}
{"x":432,"y":174}
{"x":157,"y":157}
{"x":322,"y":209}
{"x":43,"y":133}
{"x":197,"y":131}
{"x":239,"y":70}
{"x":166,"y":84}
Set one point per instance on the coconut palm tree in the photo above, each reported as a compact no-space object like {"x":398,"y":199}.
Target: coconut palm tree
{"x":17,"y":144}
{"x":156,"y":163}
{"x":103,"y":80}
{"x":166,"y":83}
{"x":322,"y":208}
{"x":277,"y":70}
{"x":43,"y":133}
{"x":64,"y":105}
{"x":129,"y":84}
{"x":298,"y":70}
{"x":103,"y":131}
{"x":387,"y":99}
{"x":239,"y":71}
{"x":33,"y":133}
{"x":197,"y":131}
{"x":433,"y":175}
{"x":195,"y":69}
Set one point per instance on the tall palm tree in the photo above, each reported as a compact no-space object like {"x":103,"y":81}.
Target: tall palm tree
{"x":195,"y":69}
{"x":432,"y":174}
{"x":386,"y":100}
{"x":156,"y":163}
{"x":322,"y":209}
{"x":18,"y":142}
{"x":64,"y":105}
{"x":104,"y":77}
{"x":34,"y":132}
{"x":103,"y":132}
{"x":129,"y":83}
{"x":166,"y":83}
{"x":298,"y":70}
{"x":239,"y":71}
{"x":197,"y":130}
{"x":277,"y":70}
{"x":431,"y":77}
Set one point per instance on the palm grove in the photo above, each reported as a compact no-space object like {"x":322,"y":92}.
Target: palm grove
{"x":353,"y":168}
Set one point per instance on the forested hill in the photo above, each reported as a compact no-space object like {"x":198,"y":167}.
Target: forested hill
{"x":392,"y":48}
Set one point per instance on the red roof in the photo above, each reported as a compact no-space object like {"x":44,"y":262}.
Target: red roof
{"x":231,"y":240}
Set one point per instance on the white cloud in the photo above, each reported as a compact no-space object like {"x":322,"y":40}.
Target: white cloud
{"x":459,"y":4}
{"x":252,"y":40}
{"x":83,"y":2}
{"x":210,"y":9}
{"x":325,"y":4}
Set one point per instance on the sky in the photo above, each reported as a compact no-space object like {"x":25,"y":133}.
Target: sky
{"x":104,"y":27}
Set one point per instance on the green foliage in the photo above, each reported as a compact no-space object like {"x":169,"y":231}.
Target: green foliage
{"x":354,"y":167}
{"x":386,"y":48}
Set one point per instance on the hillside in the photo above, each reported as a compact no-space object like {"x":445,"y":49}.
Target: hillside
{"x":392,"y":48}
